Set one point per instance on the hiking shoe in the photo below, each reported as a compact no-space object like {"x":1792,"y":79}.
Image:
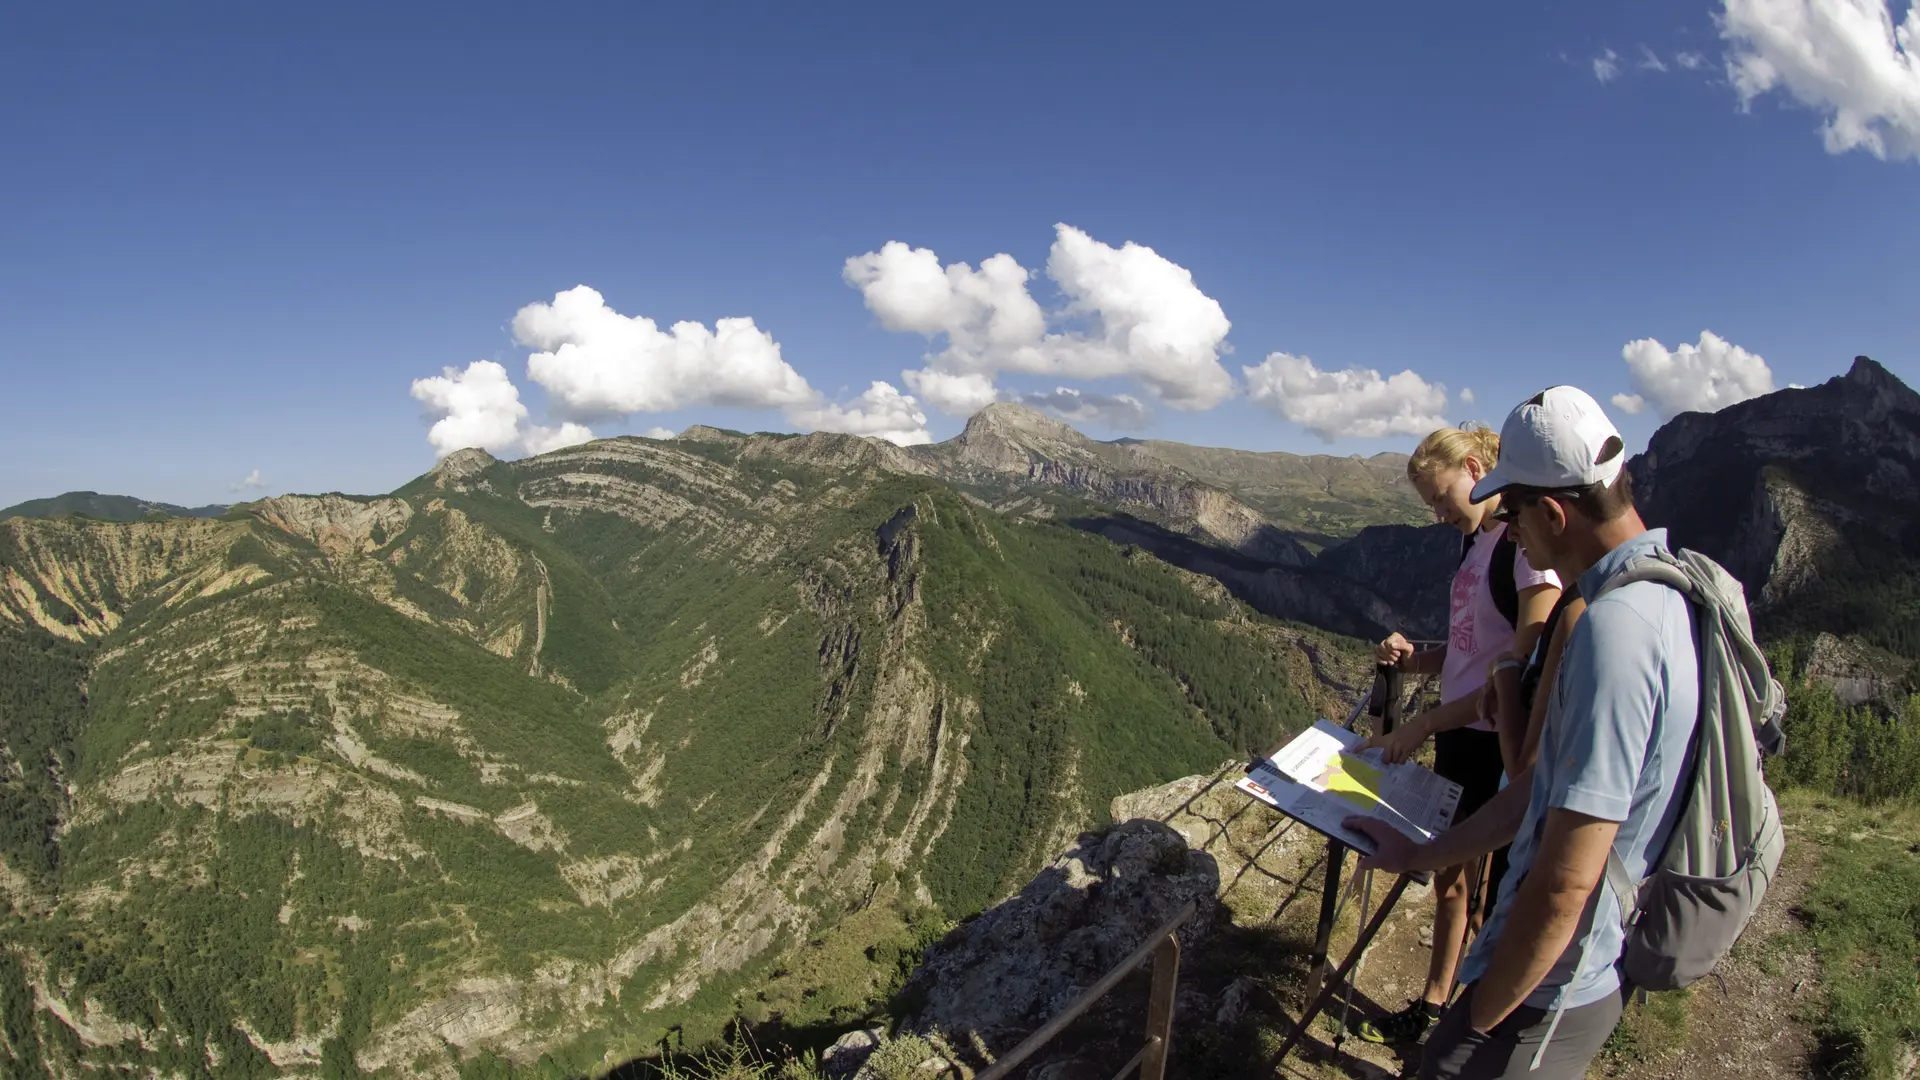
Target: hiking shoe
{"x":1405,"y":1026}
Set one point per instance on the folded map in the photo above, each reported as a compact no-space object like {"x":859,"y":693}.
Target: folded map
{"x":1320,"y":779}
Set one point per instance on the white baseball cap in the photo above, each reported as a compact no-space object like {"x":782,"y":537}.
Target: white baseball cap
{"x":1557,"y":439}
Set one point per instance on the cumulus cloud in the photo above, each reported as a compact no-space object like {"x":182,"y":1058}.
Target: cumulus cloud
{"x":1128,"y":312}
{"x":594,"y":361}
{"x":1354,"y":402}
{"x":541,"y":440}
{"x":1705,"y":377}
{"x":1845,"y":59}
{"x":1690,"y":61}
{"x":1466,"y":396}
{"x":1649,"y":61}
{"x":955,"y":395}
{"x":477,"y":407}
{"x":657,"y":433}
{"x":480,"y":406}
{"x":882,"y":412}
{"x":1122,"y":411}
{"x":1606,"y":66}
{"x":251,"y":483}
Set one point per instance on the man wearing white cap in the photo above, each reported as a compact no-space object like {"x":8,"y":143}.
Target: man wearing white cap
{"x":1542,"y":992}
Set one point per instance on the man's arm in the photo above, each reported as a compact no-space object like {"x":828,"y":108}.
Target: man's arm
{"x":1545,"y":913}
{"x":1493,"y":825}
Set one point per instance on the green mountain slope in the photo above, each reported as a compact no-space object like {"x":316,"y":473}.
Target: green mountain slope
{"x":554,"y":756}
{"x":92,"y":504}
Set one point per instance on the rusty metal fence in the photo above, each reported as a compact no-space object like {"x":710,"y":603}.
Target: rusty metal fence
{"x":1163,"y":945}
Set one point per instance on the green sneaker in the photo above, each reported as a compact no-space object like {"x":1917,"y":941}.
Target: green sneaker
{"x":1406,"y":1026}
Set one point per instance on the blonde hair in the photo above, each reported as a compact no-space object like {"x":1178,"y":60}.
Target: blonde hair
{"x":1449,"y":448}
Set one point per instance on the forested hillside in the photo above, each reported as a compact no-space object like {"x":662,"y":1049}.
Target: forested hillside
{"x":545,"y":760}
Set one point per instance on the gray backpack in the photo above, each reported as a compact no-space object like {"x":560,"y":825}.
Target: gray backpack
{"x":1727,"y":843}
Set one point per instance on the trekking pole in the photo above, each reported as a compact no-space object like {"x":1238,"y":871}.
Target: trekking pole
{"x":1365,"y":880}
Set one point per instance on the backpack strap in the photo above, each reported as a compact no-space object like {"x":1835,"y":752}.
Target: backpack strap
{"x":1623,"y":887}
{"x":1500,"y":572}
{"x":1661,"y":566}
{"x":1500,"y":577}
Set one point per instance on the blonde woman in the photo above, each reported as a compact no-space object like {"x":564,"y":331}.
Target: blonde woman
{"x":1496,"y":609}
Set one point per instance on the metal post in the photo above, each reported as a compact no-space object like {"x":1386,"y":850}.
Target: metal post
{"x":1321,"y":999}
{"x":1329,"y":907}
{"x":1393,"y":683}
{"x":1166,"y":977}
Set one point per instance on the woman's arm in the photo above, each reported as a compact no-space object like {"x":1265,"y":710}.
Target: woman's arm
{"x":1535,"y":605}
{"x":1549,"y":669}
{"x":1405,"y":740}
{"x":1507,"y":712}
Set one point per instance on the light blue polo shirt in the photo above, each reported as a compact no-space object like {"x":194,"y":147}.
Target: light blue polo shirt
{"x":1618,"y":743}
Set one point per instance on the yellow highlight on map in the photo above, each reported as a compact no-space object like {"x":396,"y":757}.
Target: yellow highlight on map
{"x":1352,"y":778}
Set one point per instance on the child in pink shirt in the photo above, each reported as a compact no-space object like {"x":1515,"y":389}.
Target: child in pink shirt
{"x":1495,"y":611}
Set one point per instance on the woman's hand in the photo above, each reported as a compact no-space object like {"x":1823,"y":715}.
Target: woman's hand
{"x":1393,"y":650}
{"x":1399,"y":745}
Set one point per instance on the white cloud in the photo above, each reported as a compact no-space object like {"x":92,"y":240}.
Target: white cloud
{"x":1606,"y":66}
{"x":657,"y":433}
{"x":1632,"y":404}
{"x":1649,"y":61}
{"x":1122,"y":411}
{"x":481,"y":407}
{"x":251,"y":483}
{"x":541,"y":440}
{"x":955,"y":395}
{"x":1143,"y":317}
{"x":594,"y":361}
{"x":1466,"y":396}
{"x":882,"y":412}
{"x":1690,"y":61}
{"x":1845,"y":59}
{"x":1706,"y":377}
{"x":478,"y":407}
{"x":1355,"y":402}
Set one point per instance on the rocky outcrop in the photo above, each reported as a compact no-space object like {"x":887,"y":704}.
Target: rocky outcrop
{"x":1773,"y":486}
{"x":1858,"y":674}
{"x":1005,"y":973}
{"x":336,"y":524}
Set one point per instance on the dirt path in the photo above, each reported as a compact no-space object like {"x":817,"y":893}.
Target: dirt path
{"x":1753,"y":1022}
{"x":1756,"y":1028}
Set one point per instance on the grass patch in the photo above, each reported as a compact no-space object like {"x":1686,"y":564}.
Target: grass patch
{"x":1863,"y":910}
{"x":1648,"y":1032}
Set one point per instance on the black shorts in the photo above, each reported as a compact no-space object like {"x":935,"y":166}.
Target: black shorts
{"x":1471,"y":758}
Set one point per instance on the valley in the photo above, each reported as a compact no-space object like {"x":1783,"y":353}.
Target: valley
{"x":544,"y":766}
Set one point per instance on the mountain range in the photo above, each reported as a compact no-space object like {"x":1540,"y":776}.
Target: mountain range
{"x":559,"y":758}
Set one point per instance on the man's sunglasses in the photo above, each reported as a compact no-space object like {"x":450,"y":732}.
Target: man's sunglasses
{"x":1512,"y":502}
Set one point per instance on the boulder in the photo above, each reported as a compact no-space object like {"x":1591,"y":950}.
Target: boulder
{"x":1000,"y":976}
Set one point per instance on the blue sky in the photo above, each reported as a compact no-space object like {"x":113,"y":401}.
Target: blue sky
{"x":233,"y":236}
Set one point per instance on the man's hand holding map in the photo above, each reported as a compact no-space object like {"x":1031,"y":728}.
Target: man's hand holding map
{"x":1319,"y":779}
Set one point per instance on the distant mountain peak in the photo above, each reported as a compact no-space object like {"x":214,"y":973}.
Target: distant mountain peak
{"x":1006,"y":417}
{"x":1869,"y":374}
{"x":462,"y":464}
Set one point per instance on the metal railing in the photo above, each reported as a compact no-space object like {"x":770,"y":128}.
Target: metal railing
{"x":1164,"y":946}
